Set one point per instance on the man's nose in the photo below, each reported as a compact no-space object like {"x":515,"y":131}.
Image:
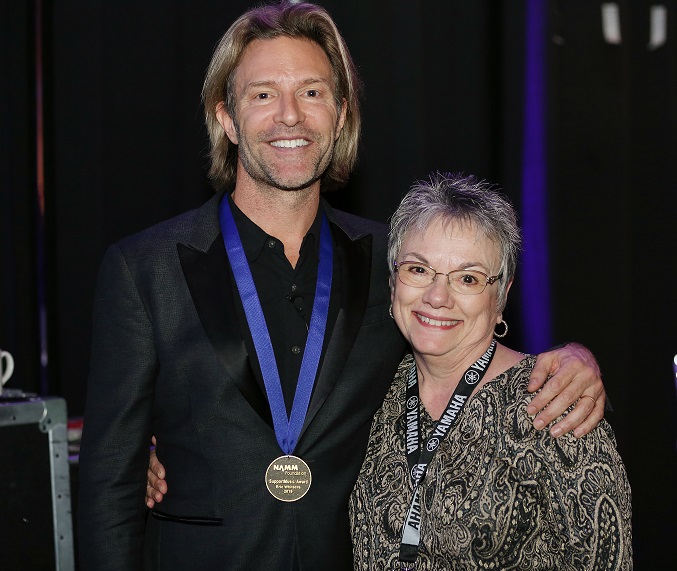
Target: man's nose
{"x":289,"y":110}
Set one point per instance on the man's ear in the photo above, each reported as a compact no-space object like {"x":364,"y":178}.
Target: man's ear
{"x":226,"y":122}
{"x":342,"y":118}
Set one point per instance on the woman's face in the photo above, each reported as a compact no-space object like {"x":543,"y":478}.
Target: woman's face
{"x":436,"y":320}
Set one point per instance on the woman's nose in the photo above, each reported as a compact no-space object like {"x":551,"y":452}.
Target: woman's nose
{"x":439,"y":292}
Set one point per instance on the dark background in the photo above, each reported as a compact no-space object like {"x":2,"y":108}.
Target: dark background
{"x":125,"y":147}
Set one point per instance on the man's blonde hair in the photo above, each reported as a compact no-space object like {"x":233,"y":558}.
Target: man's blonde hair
{"x":303,"y":21}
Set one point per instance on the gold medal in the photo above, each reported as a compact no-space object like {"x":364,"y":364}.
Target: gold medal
{"x":288,"y":478}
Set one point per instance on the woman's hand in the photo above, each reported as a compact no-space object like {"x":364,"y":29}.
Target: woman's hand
{"x":156,"y":487}
{"x":568,"y":375}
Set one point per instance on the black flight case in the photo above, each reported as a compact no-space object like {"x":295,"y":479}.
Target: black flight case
{"x":36,"y":530}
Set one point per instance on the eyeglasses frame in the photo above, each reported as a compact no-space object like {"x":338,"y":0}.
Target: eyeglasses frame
{"x":489,"y":279}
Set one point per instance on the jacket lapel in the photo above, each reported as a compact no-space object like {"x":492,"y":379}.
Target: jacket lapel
{"x":205,"y":268}
{"x":354,"y":271}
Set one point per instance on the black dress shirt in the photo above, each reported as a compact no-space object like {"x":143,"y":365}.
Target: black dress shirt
{"x":286,"y":294}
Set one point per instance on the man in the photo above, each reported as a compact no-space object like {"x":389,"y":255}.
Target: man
{"x":252,"y":335}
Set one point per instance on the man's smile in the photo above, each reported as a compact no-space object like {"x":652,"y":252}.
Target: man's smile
{"x":290,"y":143}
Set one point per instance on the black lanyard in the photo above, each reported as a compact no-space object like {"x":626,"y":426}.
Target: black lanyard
{"x":419,"y":457}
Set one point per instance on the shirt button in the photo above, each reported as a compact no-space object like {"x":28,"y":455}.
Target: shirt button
{"x":271,"y":243}
{"x":296,"y":349}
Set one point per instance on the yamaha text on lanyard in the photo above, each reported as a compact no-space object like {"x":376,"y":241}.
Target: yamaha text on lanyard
{"x":288,"y":477}
{"x":418,"y":458}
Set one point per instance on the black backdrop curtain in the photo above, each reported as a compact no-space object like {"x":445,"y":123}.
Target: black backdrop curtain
{"x":19,"y":331}
{"x":129,"y":146}
{"x":614,"y":247}
{"x":126,"y":147}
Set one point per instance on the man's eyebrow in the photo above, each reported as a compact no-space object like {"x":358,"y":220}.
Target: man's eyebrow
{"x":316,"y":80}
{"x":261,"y":83}
{"x":273,"y":82}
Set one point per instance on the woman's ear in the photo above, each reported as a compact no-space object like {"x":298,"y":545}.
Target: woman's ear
{"x":507,"y":289}
{"x":499,"y":316}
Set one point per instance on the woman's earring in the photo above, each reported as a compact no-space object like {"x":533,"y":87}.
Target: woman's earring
{"x":390,"y":311}
{"x":505,"y":331}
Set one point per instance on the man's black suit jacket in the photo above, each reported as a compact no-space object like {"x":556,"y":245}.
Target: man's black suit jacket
{"x":170,"y":358}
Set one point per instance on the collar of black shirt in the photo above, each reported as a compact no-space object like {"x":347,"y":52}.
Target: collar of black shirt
{"x":254,"y":239}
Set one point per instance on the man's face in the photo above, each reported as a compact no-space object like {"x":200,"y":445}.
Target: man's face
{"x":286,"y":120}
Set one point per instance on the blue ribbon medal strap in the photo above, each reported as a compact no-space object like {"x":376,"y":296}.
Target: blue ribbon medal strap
{"x":288,"y":477}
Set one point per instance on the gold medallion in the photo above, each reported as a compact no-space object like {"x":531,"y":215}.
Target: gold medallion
{"x":288,"y":478}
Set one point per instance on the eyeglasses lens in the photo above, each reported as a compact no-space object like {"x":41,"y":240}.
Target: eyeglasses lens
{"x":467,"y":282}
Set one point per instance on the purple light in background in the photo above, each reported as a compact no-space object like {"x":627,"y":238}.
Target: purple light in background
{"x":534,"y":272}
{"x":40,"y":191}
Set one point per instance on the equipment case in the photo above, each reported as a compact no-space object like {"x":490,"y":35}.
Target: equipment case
{"x":36,"y":530}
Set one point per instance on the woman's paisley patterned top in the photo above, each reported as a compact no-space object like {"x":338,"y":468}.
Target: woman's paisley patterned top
{"x":498,"y":494}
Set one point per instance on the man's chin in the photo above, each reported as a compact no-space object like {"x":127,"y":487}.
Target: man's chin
{"x":293,"y":184}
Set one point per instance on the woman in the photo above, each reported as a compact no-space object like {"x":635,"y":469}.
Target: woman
{"x":455,"y":475}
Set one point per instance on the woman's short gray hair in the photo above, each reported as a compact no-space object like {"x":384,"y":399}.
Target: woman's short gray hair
{"x":456,"y":197}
